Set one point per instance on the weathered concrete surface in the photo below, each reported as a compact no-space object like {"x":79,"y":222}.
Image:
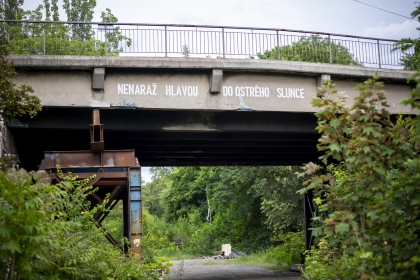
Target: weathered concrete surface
{"x":193,"y":84}
{"x":7,"y":143}
{"x":89,"y":62}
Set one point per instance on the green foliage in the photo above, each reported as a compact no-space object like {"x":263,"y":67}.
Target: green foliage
{"x":10,"y":9}
{"x":411,"y":61}
{"x":113,"y":37}
{"x":155,"y":240}
{"x":153,"y":192}
{"x":312,"y":49}
{"x":369,"y":197}
{"x":28,"y":204}
{"x":14,"y":101}
{"x":63,"y":39}
{"x":47,"y":232}
{"x":233,"y":196}
{"x":80,"y":11}
{"x":289,"y":251}
{"x":200,"y":209}
{"x":281,"y":205}
{"x":9,"y":161}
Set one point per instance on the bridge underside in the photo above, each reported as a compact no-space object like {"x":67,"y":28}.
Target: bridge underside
{"x":174,"y":138}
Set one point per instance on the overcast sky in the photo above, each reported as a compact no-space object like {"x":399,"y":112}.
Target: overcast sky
{"x":334,"y":16}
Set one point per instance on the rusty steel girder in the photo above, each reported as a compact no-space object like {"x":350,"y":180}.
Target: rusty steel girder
{"x":116,"y":172}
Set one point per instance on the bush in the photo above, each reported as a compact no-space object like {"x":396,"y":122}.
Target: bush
{"x":46,"y":233}
{"x":368,"y":197}
{"x":289,"y":252}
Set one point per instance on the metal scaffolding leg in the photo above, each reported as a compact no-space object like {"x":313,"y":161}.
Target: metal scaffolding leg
{"x":135,"y":213}
{"x":309,"y":209}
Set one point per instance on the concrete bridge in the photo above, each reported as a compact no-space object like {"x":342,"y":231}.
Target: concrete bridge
{"x":180,"y":111}
{"x":184,"y":111}
{"x":175,"y":112}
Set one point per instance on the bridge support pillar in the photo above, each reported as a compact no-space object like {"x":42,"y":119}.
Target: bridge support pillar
{"x":7,"y":143}
{"x":135,"y":213}
{"x":117,"y":173}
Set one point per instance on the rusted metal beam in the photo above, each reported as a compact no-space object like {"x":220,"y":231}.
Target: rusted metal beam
{"x":109,"y":210}
{"x":112,"y":197}
{"x":89,"y":159}
{"x":96,"y":132}
{"x":95,"y":196}
{"x":99,"y":225}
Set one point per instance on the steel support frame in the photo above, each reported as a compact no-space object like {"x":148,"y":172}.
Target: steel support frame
{"x":135,"y":209}
{"x":122,"y":182}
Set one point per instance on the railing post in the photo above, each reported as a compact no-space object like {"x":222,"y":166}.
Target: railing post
{"x":223,"y":41}
{"x":106,"y":44}
{"x":379,"y":54}
{"x":329,"y":46}
{"x":166,"y":41}
{"x":44,"y":38}
{"x":278,"y":45}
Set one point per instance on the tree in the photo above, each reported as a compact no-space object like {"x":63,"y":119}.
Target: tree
{"x":14,"y":101}
{"x":64,"y":39}
{"x":80,"y":11}
{"x":281,"y":204}
{"x":411,"y":61}
{"x":312,"y":49}
{"x":154,"y":190}
{"x":51,"y":9}
{"x":9,"y":9}
{"x":113,"y":37}
{"x":245,"y":206}
{"x":369,"y":196}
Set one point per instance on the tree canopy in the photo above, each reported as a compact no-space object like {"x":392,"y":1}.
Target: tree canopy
{"x":14,"y":101}
{"x":411,"y":61}
{"x":63,"y":39}
{"x":313,"y":48}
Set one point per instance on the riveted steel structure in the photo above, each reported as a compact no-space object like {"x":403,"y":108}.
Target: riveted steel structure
{"x":117,"y":173}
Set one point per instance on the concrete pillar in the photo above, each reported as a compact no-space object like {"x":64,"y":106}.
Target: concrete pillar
{"x":7,"y":143}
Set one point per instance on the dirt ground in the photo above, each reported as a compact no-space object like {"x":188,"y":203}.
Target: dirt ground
{"x":221,"y":269}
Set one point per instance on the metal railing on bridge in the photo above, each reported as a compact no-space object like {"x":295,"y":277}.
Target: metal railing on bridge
{"x":111,"y":39}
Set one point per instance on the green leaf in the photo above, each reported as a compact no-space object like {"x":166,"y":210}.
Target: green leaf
{"x":335,"y":123}
{"x":12,"y":246}
{"x":342,"y":228}
{"x":334,"y":147}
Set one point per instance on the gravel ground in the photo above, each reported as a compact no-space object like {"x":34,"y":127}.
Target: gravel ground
{"x":220,"y":269}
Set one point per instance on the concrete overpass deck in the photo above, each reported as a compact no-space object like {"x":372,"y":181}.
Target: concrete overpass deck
{"x":185,"y":111}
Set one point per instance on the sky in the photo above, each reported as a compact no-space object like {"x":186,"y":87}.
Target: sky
{"x":333,"y":16}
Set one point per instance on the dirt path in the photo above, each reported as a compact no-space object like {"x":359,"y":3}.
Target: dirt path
{"x":221,"y":269}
